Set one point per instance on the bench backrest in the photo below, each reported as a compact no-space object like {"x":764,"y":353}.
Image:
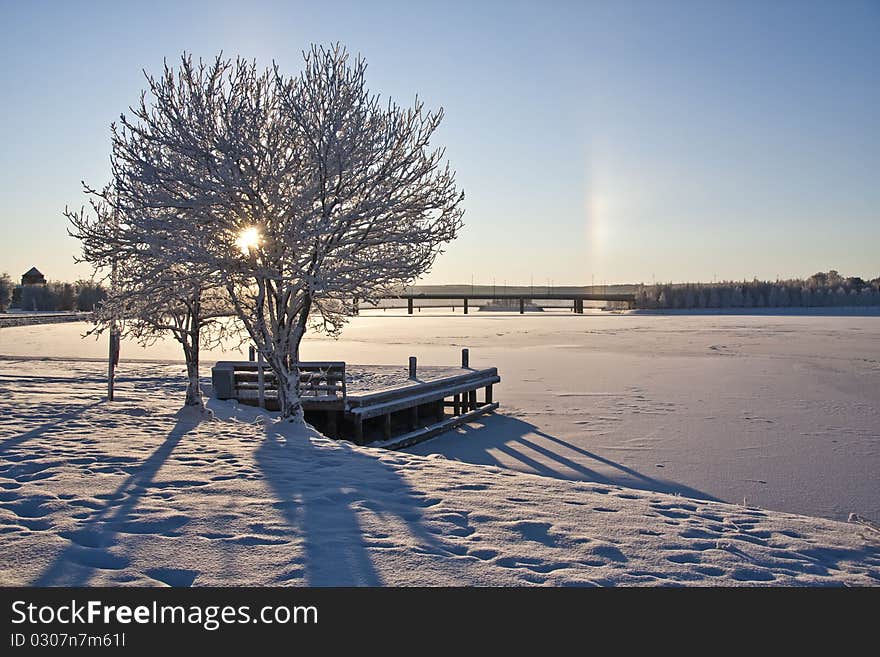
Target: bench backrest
{"x":317,"y":379}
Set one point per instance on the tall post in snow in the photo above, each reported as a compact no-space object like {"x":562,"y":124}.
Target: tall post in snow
{"x":113,"y":356}
{"x":261,"y":381}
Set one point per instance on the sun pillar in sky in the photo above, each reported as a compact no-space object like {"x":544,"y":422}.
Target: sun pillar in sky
{"x":596,"y":209}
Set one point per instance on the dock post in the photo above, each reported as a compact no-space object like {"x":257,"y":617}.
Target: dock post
{"x":387,"y":426}
{"x":413,"y":417}
{"x":472,"y":400}
{"x":465,"y":306}
{"x":261,"y":381}
{"x":489,"y":394}
{"x":456,"y":405}
{"x":409,"y":306}
{"x":522,"y":306}
{"x":412,"y":367}
{"x":252,"y":356}
{"x":359,"y":430}
{"x":465,"y":359}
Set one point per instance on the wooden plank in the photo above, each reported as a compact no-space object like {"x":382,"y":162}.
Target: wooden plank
{"x":322,"y":404}
{"x":393,"y":393}
{"x":305,"y":365}
{"x":420,"y":435}
{"x":403,"y":402}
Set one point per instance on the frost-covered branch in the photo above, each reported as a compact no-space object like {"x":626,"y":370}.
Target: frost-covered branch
{"x":341,"y":193}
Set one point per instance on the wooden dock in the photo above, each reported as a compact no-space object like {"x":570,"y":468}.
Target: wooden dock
{"x":383,"y":406}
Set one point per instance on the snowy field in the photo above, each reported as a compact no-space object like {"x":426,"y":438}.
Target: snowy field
{"x":137,"y":492}
{"x":779,"y":412}
{"x":782,"y":412}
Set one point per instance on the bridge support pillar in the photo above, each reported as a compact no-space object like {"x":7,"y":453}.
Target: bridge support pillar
{"x":409,"y":306}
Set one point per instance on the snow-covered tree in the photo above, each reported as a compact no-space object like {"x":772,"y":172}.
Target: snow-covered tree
{"x":784,"y":300}
{"x":38,"y":297}
{"x":149,"y":298}
{"x":736,"y":298}
{"x":66,"y":294}
{"x":196,"y":317}
{"x":89,"y":295}
{"x":298,"y":195}
{"x":689,"y":298}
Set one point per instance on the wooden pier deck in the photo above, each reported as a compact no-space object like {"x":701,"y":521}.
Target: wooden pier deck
{"x":381,"y":405}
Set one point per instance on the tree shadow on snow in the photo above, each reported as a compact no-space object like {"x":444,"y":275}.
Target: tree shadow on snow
{"x":550,"y":456}
{"x":90,"y":542}
{"x":323,"y":492}
{"x":65,"y":413}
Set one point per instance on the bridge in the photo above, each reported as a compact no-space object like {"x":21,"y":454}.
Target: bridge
{"x":577,"y":299}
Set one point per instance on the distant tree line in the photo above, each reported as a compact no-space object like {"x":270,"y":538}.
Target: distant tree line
{"x":83,"y":295}
{"x":819,"y":290}
{"x":6,"y":288}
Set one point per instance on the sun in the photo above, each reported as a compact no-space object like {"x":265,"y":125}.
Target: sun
{"x":248,"y":239}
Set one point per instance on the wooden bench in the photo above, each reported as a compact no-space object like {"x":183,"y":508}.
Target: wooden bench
{"x":320,"y":383}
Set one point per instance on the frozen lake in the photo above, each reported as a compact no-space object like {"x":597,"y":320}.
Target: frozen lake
{"x":778,"y":410}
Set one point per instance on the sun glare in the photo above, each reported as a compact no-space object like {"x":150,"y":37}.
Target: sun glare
{"x":248,"y":239}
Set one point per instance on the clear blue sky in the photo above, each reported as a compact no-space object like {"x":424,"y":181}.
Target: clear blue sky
{"x":606,"y":141}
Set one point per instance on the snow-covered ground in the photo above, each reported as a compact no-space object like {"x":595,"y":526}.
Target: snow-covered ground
{"x":138,"y":492}
{"x":780,"y":411}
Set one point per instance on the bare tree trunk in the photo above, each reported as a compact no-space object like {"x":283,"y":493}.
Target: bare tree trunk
{"x":288,"y":392}
{"x":193,"y":389}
